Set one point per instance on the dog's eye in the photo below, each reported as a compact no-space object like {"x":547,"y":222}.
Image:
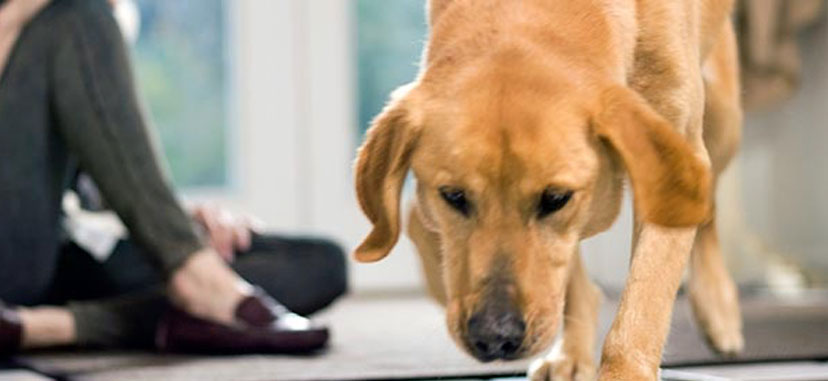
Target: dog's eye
{"x":456,"y":198}
{"x":552,"y":201}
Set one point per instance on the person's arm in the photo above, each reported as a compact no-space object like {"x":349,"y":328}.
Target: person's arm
{"x":14,"y":14}
{"x":99,"y":116}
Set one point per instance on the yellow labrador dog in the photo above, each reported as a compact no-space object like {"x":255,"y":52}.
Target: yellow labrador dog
{"x":524,"y":122}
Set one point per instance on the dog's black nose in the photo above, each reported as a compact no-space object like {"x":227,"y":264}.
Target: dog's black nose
{"x":496,"y":333}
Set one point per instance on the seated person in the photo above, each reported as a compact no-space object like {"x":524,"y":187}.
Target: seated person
{"x":67,"y":101}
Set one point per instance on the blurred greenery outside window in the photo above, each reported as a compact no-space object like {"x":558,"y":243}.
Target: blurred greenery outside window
{"x":389,"y":39}
{"x":183,"y":70}
{"x":181,"y":66}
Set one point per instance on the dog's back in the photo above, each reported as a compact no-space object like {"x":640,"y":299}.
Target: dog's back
{"x":603,"y":32}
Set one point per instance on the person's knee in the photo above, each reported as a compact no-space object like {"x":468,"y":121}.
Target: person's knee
{"x":64,"y":17}
{"x":305,"y":274}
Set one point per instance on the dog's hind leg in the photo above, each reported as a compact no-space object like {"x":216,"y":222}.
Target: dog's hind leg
{"x":571,"y":357}
{"x":428,"y":248}
{"x":713,"y":294}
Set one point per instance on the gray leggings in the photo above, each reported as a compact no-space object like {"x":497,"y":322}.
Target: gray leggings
{"x":67,"y":101}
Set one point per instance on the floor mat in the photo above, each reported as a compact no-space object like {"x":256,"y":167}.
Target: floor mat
{"x":406,"y":338}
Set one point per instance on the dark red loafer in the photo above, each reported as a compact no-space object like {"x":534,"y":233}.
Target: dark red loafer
{"x":11,"y":331}
{"x":262,"y":326}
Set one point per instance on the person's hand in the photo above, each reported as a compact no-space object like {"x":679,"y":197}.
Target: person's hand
{"x":226,"y":231}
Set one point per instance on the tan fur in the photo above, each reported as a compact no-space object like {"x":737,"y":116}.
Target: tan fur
{"x":428,"y":246}
{"x":517,"y":97}
{"x":712,"y":292}
{"x":571,"y":356}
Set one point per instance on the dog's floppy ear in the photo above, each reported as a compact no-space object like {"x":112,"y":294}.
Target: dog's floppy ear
{"x":381,"y":167}
{"x":671,"y":185}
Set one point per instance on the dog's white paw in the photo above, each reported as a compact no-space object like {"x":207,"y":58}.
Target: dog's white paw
{"x":728,"y":342}
{"x":717,"y":312}
{"x":723,"y":333}
{"x":561,"y":366}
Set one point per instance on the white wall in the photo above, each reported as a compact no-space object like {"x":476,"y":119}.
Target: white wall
{"x":784,"y":169}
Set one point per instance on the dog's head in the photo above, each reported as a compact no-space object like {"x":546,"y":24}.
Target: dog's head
{"x":514,"y":167}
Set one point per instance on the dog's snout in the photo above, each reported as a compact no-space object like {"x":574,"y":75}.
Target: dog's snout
{"x":496,"y":333}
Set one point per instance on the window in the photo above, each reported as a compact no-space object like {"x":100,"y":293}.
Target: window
{"x":390,"y":36}
{"x":182,"y":71}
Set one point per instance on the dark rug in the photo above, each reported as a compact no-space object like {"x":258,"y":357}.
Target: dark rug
{"x":404,"y":337}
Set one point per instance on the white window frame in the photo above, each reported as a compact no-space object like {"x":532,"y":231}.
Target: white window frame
{"x":294,"y":129}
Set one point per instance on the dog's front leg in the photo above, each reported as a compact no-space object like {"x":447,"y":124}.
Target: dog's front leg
{"x":632,"y":349}
{"x":571,"y":358}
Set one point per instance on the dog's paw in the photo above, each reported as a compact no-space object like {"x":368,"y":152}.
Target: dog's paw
{"x":723,"y":334}
{"x":728,"y":342}
{"x":717,"y":313}
{"x":561,"y":366}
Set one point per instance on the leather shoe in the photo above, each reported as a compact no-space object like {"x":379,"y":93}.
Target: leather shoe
{"x":11,"y":331}
{"x":262,"y":325}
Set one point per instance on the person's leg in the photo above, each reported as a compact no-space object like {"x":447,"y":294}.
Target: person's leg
{"x":116,"y":303}
{"x":126,"y":321}
{"x":46,"y":326}
{"x":304,"y":274}
{"x":97,"y":114}
{"x":70,"y":84}
{"x":34,"y":168}
{"x":33,"y":162}
{"x":81,"y":276}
